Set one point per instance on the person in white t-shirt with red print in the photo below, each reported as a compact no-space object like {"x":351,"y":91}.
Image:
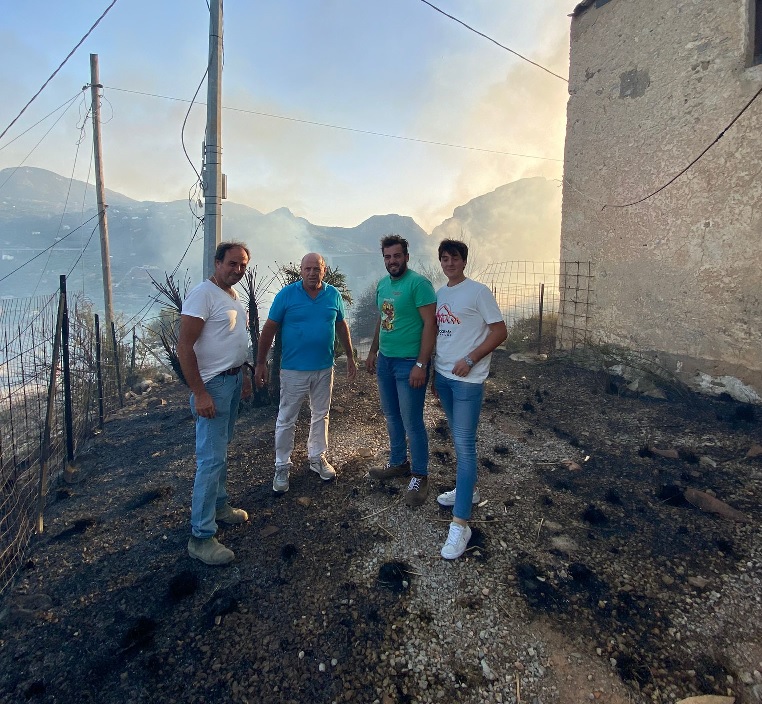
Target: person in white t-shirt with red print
{"x":470,"y":326}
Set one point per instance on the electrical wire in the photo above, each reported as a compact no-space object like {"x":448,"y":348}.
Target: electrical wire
{"x":71,"y":53}
{"x":108,"y":102}
{"x":346,"y":129}
{"x":187,"y":114}
{"x":194,"y":196}
{"x":68,"y":193}
{"x":129,"y":322}
{"x":678,"y":175}
{"x":68,"y":234}
{"x":82,"y":211}
{"x":192,"y":240}
{"x":29,"y":129}
{"x":23,"y":161}
{"x":81,"y":254}
{"x":147,"y":307}
{"x":199,"y":182}
{"x":481,"y":34}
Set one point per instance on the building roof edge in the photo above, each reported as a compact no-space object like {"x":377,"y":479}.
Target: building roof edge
{"x":581,"y":7}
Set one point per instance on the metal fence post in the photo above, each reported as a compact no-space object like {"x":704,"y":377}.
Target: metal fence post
{"x":68,"y":414}
{"x":45,"y":450}
{"x":99,"y":370}
{"x":539,"y":334}
{"x":132,"y":356}
{"x":116,"y":365}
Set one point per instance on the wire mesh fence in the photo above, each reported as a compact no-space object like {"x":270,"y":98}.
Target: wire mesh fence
{"x":545,"y":305}
{"x":576,"y":294}
{"x":24,"y":372}
{"x":60,"y":375}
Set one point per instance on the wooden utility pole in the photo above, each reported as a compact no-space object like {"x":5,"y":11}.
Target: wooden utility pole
{"x":95,"y":88}
{"x":212,"y":171}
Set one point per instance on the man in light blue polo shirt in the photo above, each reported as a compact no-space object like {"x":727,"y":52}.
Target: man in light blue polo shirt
{"x":309,"y":314}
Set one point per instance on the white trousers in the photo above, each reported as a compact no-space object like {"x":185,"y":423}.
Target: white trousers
{"x":294,"y":386}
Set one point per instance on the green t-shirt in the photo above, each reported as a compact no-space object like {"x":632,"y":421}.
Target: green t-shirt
{"x":398,"y":300}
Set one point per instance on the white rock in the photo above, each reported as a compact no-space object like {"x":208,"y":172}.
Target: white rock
{"x":487,"y":670}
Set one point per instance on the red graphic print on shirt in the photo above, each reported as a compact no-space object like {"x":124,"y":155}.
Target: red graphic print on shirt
{"x":446,"y":316}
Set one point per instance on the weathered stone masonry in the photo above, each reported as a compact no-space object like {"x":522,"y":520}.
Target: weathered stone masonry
{"x":652,"y":83}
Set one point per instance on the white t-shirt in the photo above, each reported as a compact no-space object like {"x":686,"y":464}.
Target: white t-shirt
{"x":464,"y":314}
{"x":224,"y":340}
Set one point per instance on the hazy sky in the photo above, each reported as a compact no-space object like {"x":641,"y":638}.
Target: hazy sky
{"x":397,"y":67}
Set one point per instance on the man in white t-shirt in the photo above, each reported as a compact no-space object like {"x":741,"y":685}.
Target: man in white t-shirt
{"x":470,"y":326}
{"x":212,"y":348}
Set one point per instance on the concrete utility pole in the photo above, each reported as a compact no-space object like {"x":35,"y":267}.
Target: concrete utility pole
{"x":212,"y":171}
{"x":95,"y":88}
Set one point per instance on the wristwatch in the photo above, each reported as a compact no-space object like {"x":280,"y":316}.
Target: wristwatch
{"x":470,"y":362}
{"x":419,"y":365}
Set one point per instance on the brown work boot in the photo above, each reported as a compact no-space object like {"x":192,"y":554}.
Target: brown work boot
{"x":209,"y":551}
{"x":417,"y":490}
{"x":231,"y":516}
{"x":390,"y":471}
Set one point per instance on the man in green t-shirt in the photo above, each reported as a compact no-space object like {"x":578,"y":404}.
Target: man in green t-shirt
{"x":399,"y":354}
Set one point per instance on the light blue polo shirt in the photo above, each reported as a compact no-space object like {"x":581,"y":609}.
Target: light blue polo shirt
{"x":307,"y":325}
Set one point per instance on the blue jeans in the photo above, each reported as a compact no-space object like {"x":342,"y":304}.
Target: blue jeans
{"x":403,"y":408}
{"x":462,"y":403}
{"x":212,"y":438}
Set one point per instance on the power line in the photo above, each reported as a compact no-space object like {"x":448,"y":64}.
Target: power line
{"x":187,"y":115}
{"x":192,"y":240}
{"x":66,"y":202}
{"x":52,"y":112}
{"x":146,"y":307}
{"x":677,"y":176}
{"x":68,"y":234}
{"x":84,"y":249}
{"x":344,"y":128}
{"x":58,"y":119}
{"x":481,"y":34}
{"x":154,"y":299}
{"x":52,"y":75}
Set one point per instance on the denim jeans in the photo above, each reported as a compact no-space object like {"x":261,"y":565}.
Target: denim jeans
{"x":294,"y":386}
{"x":403,"y":408}
{"x":212,"y":438}
{"x":462,"y":404}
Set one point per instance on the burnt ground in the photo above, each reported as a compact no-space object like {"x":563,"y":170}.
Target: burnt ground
{"x":595,"y":581}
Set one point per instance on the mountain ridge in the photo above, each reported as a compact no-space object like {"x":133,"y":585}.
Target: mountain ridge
{"x":39,"y":207}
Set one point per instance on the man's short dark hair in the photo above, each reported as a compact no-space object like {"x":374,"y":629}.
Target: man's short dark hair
{"x":453,"y":247}
{"x":223,"y":247}
{"x":391,"y":240}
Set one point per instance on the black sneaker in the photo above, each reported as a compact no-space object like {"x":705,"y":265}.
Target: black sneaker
{"x":417,"y":491}
{"x":390,"y":471}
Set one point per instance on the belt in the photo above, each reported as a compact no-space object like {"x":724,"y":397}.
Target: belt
{"x":232,"y":372}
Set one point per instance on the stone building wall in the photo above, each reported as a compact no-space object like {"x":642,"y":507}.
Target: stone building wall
{"x":652,"y":83}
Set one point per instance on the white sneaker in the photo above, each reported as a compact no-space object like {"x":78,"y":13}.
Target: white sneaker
{"x":280,"y":480}
{"x":457,"y":540}
{"x":323,"y":467}
{"x":448,"y":498}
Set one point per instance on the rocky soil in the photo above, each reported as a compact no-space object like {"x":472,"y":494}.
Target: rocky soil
{"x":589,"y":577}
